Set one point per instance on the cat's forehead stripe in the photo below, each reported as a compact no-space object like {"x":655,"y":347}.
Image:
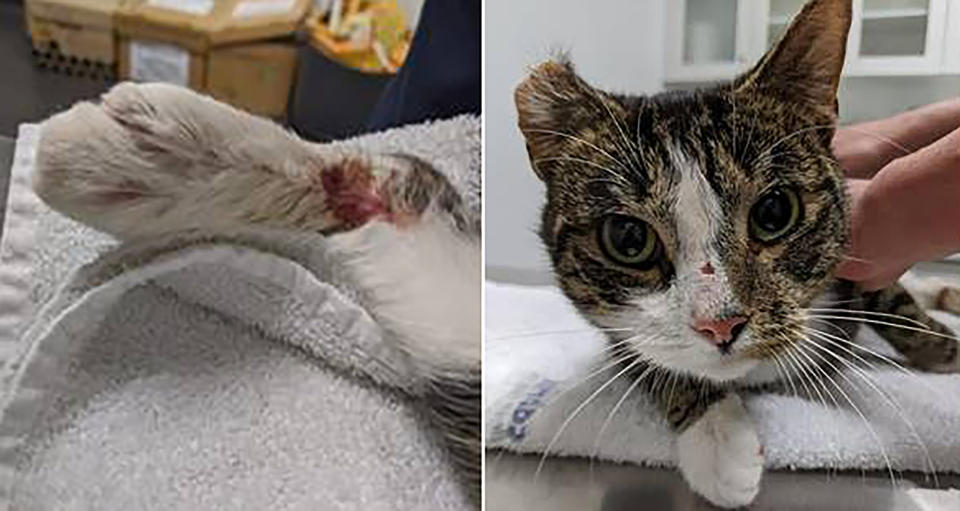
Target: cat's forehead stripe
{"x":696,"y":211}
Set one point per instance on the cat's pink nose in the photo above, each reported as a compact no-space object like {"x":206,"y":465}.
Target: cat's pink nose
{"x":720,"y":331}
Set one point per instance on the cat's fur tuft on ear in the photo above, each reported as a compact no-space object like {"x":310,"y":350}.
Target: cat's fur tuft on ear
{"x":805,"y":65}
{"x":544,"y":100}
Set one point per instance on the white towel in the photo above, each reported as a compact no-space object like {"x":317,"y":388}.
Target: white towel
{"x":237,"y":373}
{"x":536,"y":346}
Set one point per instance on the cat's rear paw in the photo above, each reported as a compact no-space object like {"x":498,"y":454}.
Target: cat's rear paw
{"x":948,"y":299}
{"x":720,"y":455}
{"x":935,"y":352}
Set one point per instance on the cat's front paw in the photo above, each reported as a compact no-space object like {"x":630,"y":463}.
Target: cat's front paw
{"x":720,"y":455}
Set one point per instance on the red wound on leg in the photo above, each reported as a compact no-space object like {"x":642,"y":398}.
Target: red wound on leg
{"x":352,"y":193}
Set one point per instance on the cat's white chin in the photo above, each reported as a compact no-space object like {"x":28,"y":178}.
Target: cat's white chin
{"x":721,"y":370}
{"x":704,"y":362}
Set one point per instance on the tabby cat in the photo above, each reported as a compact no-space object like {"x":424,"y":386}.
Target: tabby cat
{"x":701,"y":229}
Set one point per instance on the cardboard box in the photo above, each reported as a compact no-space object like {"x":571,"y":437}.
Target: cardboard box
{"x":222,"y":48}
{"x":77,"y":41}
{"x":75,"y":29}
{"x":152,"y":61}
{"x":86,"y":13}
{"x":199,"y":25}
{"x":255,"y":77}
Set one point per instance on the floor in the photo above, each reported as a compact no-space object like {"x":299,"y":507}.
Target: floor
{"x":29,"y":94}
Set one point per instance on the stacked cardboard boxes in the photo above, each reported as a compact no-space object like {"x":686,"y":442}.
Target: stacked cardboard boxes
{"x":74,"y":36}
{"x":231,"y":49}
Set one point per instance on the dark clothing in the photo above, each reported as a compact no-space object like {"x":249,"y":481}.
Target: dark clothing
{"x":441,"y":75}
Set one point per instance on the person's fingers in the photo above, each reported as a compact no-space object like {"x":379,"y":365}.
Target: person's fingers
{"x":856,"y":188}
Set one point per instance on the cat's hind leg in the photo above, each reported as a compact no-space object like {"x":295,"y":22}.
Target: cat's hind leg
{"x":150,"y":159}
{"x":930,"y":347}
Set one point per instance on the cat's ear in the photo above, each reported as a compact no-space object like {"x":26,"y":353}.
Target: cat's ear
{"x":805,"y":66}
{"x":544,"y":102}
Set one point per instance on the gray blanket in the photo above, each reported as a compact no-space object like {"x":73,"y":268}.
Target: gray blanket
{"x":214,"y":373}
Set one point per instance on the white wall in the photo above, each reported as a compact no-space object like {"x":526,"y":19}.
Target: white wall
{"x":615,"y":44}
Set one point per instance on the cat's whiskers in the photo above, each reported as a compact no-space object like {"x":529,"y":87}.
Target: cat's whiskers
{"x":798,"y":369}
{"x":842,"y":344}
{"x":753,"y":129}
{"x":839,"y":302}
{"x":633,"y":341}
{"x":785,"y":375}
{"x":763,"y":154}
{"x":603,"y":428}
{"x":639,"y":116}
{"x":869,"y":321}
{"x":631,"y":153}
{"x":865,"y":313}
{"x":768,"y":159}
{"x":817,"y":382}
{"x":863,"y":417}
{"x":608,"y":361}
{"x":557,"y":332}
{"x":606,"y":181}
{"x":869,"y":380}
{"x":620,"y":179}
{"x":881,"y":138}
{"x":576,"y":412}
{"x":833,"y":326}
{"x":582,"y":141}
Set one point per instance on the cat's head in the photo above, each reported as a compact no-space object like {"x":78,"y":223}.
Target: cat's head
{"x":695,"y":226}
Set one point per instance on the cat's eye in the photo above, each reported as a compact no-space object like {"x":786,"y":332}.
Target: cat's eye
{"x":774,"y":214}
{"x":629,"y":241}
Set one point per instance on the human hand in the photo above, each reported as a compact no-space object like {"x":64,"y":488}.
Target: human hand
{"x":875,"y":258}
{"x":908,"y":212}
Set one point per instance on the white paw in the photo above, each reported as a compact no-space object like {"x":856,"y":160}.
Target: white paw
{"x":720,"y":455}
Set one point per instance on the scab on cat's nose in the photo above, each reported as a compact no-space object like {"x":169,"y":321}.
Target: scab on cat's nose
{"x":722,"y":332}
{"x":707,"y":269}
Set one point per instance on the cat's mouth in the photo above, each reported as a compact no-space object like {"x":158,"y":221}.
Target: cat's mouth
{"x":707,"y":358}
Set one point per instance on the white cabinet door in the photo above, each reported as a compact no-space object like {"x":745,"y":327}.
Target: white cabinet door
{"x":897,"y":37}
{"x":712,"y":39}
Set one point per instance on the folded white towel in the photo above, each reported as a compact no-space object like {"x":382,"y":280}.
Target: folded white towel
{"x":227,"y":373}
{"x":537,"y":347}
